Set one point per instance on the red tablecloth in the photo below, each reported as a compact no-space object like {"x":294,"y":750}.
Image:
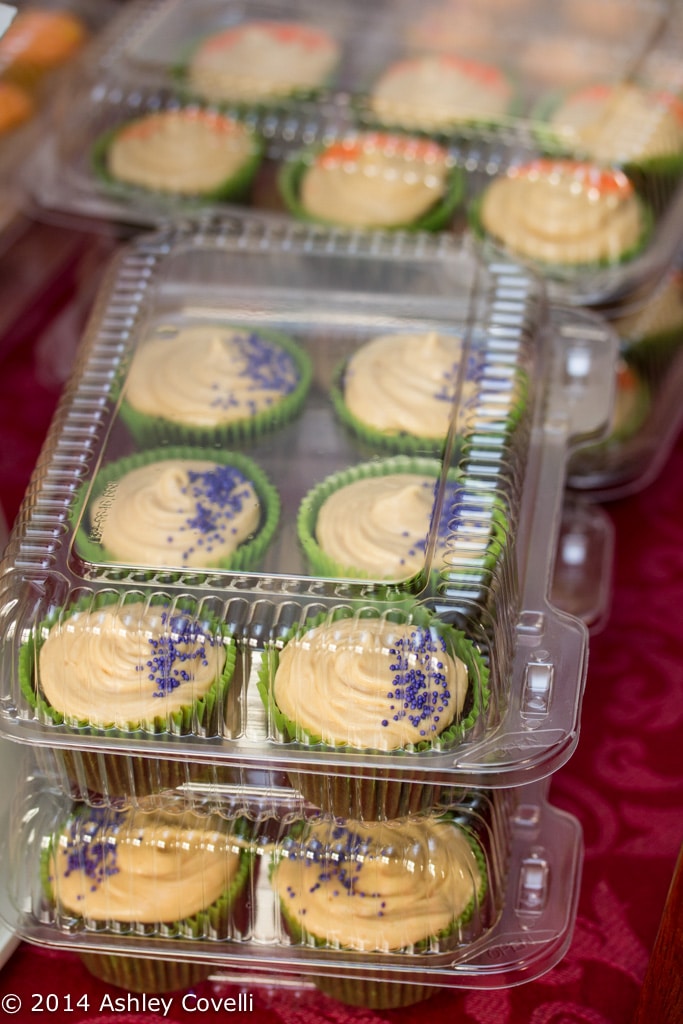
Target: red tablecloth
{"x":624,"y":782}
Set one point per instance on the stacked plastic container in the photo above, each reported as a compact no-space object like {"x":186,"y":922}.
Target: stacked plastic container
{"x":345,"y":765}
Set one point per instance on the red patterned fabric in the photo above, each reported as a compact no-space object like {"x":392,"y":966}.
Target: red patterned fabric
{"x":624,"y":783}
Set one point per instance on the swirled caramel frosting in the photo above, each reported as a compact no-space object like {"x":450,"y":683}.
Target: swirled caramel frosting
{"x":176,"y":512}
{"x":262,"y":60}
{"x":563,"y":212}
{"x":370,"y":683}
{"x":376,"y":886}
{"x":144,"y":867}
{"x":208,"y":375}
{"x":125,"y":664}
{"x":620,"y":124}
{"x":185,"y":152}
{"x":407,"y":383}
{"x":438,"y":90}
{"x":375,"y":180}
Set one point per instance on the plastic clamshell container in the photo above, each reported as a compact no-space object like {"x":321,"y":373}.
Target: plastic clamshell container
{"x":526,"y":660}
{"x":139,"y":72}
{"x":511,"y":864}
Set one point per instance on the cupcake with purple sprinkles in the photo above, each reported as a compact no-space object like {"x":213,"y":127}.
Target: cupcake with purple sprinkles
{"x":211,"y":383}
{"x":402,"y":682}
{"x":179,"y":508}
{"x":167,"y":875}
{"x":412,"y":886}
{"x":130,"y":665}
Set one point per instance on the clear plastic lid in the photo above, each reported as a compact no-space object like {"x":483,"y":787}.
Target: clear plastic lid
{"x":481,"y":892}
{"x":380,"y":119}
{"x":465,"y":655}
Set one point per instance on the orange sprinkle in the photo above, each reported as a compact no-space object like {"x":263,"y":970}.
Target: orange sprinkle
{"x":284,"y":32}
{"x":605,"y":180}
{"x":16,"y":106}
{"x":626,"y":378}
{"x":390,"y":145}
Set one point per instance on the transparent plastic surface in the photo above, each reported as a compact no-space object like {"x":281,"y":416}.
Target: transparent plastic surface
{"x":548,"y":106}
{"x":509,"y":866}
{"x":514,"y":714}
{"x":582,"y":576}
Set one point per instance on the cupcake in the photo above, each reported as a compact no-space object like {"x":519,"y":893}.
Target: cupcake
{"x":438,"y":93}
{"x":564,"y":213}
{"x":375,"y":521}
{"x":403,"y":683}
{"x":412,"y":886}
{"x":210,"y":383}
{"x":185,"y":152}
{"x":38,"y":41}
{"x":652,"y":334}
{"x":173,"y":875}
{"x":374,"y":180}
{"x":623,"y":124}
{"x":179,"y":508}
{"x":399,"y":391}
{"x":16,"y":107}
{"x":261,"y":62}
{"x":129,"y":666}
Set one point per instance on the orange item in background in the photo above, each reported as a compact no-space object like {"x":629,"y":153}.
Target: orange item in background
{"x":38,"y":41}
{"x":16,"y":106}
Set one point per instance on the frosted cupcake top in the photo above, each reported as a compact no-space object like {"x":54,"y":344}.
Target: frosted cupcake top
{"x":622,"y":123}
{"x":379,"y":524}
{"x":261,"y":61}
{"x":140,"y":867}
{"x":439,"y":90}
{"x":127,"y":664}
{"x":176,"y":512}
{"x":209,"y":375}
{"x":370,"y":683}
{"x":377,"y":887}
{"x":185,"y":152}
{"x":406,"y":383}
{"x":374,"y":180}
{"x":564,"y":212}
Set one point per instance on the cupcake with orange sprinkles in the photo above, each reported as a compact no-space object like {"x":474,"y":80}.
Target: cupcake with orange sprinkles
{"x":374,"y":180}
{"x":564,"y":213}
{"x":186,"y":151}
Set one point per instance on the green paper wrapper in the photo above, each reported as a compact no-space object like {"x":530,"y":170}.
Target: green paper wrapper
{"x":245,"y":557}
{"x":142,"y":974}
{"x":436,"y":218}
{"x":150,"y":431}
{"x":119,"y":775}
{"x":361,"y":792}
{"x":231,"y":189}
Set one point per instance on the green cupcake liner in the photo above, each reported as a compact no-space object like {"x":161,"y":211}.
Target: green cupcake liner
{"x":373,"y":993}
{"x":204,"y":713}
{"x":232,"y":189}
{"x":438,"y":217}
{"x":476,"y":701}
{"x":245,"y":557}
{"x":150,"y":430}
{"x":481,"y":234}
{"x":142,"y":974}
{"x":213,"y":921}
{"x":651,"y":356}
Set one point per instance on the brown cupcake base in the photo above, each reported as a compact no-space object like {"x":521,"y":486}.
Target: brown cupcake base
{"x":373,"y":994}
{"x":140,"y":974}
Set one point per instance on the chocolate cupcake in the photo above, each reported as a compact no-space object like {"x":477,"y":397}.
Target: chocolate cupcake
{"x":212,"y":384}
{"x":374,"y":180}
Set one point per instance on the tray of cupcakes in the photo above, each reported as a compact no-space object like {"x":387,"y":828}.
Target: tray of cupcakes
{"x":295,"y":474}
{"x":479,"y":892}
{"x":355,"y":118}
